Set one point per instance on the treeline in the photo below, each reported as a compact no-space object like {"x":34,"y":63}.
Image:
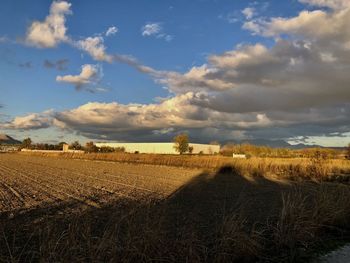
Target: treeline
{"x":28,"y":144}
{"x":182,"y":146}
{"x":89,"y":147}
{"x":264,"y":151}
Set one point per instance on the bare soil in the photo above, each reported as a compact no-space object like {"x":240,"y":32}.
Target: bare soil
{"x":55,"y":209}
{"x":27,"y":182}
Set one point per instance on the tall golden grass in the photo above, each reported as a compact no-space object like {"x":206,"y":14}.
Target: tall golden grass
{"x":306,"y":216}
{"x":307,"y":219}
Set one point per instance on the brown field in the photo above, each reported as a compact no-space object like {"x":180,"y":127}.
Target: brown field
{"x":282,"y":167}
{"x":63,"y":209}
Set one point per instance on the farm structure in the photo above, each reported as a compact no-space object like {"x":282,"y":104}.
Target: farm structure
{"x":65,"y":148}
{"x":9,"y":148}
{"x":240,"y":156}
{"x":161,"y":147}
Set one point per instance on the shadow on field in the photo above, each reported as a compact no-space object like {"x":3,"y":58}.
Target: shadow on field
{"x":219,"y":217}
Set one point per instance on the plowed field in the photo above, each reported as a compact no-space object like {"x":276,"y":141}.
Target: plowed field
{"x":28,"y":182}
{"x":54,"y":209}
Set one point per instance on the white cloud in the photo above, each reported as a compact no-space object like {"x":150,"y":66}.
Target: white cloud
{"x":151,"y":29}
{"x":156,"y":30}
{"x":334,"y":4}
{"x":193,"y":80}
{"x":52,"y":30}
{"x":297,"y":87}
{"x":249,"y":12}
{"x":31,"y":121}
{"x":140,"y":121}
{"x":89,"y":75}
{"x":95,"y":47}
{"x":324,"y":27}
{"x":111,"y":31}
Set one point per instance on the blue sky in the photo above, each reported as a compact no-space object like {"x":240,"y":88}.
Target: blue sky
{"x":47,"y":97}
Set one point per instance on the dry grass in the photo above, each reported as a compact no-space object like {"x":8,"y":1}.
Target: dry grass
{"x":155,"y":232}
{"x":288,"y":168}
{"x":308,"y":220}
{"x":216,"y":217}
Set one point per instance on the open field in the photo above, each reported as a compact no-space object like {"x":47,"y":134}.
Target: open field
{"x":64,"y":209}
{"x":27,"y":181}
{"x":287,"y":168}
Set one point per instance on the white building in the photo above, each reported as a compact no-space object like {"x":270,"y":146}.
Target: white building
{"x":160,"y":147}
{"x":239,"y":156}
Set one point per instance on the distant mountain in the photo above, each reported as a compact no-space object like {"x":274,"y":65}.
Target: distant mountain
{"x":275,"y":144}
{"x":262,"y":142}
{"x":270,"y":143}
{"x":303,"y":146}
{"x":6,"y":139}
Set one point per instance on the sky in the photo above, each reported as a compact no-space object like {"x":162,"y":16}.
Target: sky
{"x":218,"y":70}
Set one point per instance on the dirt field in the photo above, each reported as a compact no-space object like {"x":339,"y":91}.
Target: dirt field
{"x":27,"y":182}
{"x":58,"y":209}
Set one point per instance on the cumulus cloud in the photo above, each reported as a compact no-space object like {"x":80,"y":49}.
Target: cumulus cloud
{"x":334,"y":4}
{"x":328,"y":29}
{"x":249,"y":12}
{"x":52,"y":30}
{"x":184,"y":113}
{"x":156,"y":30}
{"x":299,"y":81}
{"x":137,"y":122}
{"x":111,"y":31}
{"x":122,"y":121}
{"x":194,"y":80}
{"x":89,"y":76}
{"x":151,"y":29}
{"x":299,"y":86}
{"x":95,"y":47}
{"x":289,"y":75}
{"x":31,"y":121}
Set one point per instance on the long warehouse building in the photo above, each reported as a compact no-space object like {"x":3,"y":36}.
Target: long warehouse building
{"x":160,"y":147}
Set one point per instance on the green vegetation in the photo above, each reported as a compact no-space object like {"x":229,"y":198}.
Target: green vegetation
{"x":27,"y":143}
{"x":265,"y":151}
{"x":90,"y":147}
{"x":76,"y":146}
{"x":181,"y":143}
